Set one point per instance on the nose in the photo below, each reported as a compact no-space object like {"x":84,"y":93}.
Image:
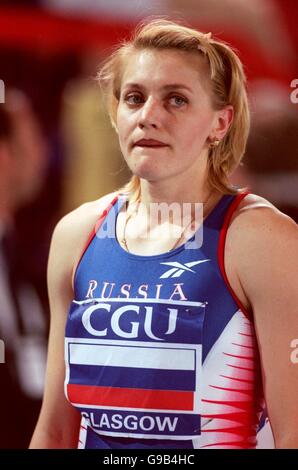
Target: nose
{"x":150,"y":114}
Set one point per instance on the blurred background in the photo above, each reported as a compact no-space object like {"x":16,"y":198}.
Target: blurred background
{"x":58,"y":150}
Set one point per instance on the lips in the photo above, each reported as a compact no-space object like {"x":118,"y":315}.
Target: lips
{"x":149,"y":143}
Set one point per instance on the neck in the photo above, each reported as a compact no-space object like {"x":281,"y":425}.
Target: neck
{"x":189,"y":186}
{"x":172,"y":224}
{"x":156,"y":193}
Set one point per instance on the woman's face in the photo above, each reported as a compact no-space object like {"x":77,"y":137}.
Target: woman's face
{"x":165,"y":97}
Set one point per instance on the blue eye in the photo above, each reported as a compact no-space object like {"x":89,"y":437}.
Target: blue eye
{"x":133,"y":99}
{"x":178,"y":100}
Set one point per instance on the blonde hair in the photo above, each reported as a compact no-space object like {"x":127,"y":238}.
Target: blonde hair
{"x":228,"y":85}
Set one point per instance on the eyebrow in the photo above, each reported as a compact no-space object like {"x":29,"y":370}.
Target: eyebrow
{"x":170,"y":86}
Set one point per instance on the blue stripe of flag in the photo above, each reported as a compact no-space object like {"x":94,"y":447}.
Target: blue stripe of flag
{"x":130,"y":377}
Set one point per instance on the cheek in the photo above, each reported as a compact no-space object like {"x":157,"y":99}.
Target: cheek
{"x":124,"y":128}
{"x":124,"y":125}
{"x":197,"y":134}
{"x":121,"y":129}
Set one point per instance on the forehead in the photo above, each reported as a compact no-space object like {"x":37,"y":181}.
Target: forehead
{"x":159,"y":67}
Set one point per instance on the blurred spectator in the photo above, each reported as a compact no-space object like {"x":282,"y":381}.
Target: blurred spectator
{"x":22,"y":322}
{"x":93,"y":162}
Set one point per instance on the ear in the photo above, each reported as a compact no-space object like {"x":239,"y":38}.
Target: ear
{"x":222,"y":122}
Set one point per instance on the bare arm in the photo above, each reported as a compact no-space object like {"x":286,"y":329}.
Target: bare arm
{"x":266,"y":259}
{"x":59,"y":422}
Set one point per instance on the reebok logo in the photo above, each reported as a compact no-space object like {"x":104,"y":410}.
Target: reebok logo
{"x":178,"y":268}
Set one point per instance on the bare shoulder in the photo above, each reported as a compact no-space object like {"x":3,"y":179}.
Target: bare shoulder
{"x":258,"y":218}
{"x":78,"y":223}
{"x":72,"y":232}
{"x":263,"y":250}
{"x":262,"y":246}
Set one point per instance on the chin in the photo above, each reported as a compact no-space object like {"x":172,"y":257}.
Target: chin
{"x":148,"y":167}
{"x":144,"y":167}
{"x":149,"y":174}
{"x":146,"y":174}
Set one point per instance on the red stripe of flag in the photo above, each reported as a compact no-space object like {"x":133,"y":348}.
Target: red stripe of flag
{"x":130,"y":397}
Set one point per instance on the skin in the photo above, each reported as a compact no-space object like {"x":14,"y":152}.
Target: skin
{"x":153,"y":107}
{"x":150,"y":111}
{"x":261,"y":250}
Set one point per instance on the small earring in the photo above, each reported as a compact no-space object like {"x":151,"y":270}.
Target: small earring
{"x":214,"y":143}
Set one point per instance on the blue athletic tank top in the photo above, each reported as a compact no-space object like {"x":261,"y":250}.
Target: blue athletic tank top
{"x":159,"y":351}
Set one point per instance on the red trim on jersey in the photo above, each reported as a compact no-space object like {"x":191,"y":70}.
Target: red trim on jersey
{"x":130,"y":397}
{"x":221,"y":250}
{"x":93,"y":233}
{"x":236,"y":416}
{"x":232,"y":444}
